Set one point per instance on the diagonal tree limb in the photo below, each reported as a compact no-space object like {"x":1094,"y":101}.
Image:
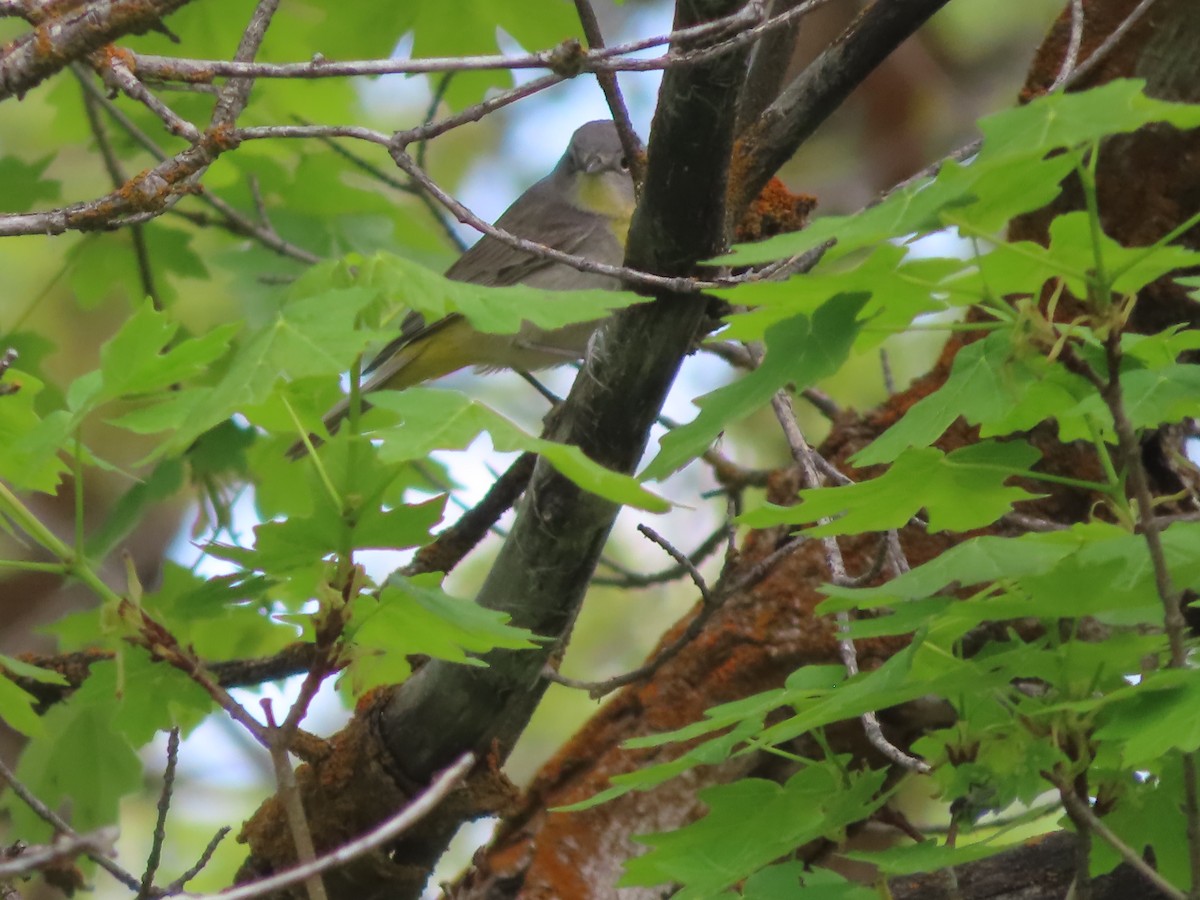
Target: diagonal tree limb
{"x":773,"y":138}
{"x":545,"y":566}
{"x":757,"y":641}
{"x":543,"y":570}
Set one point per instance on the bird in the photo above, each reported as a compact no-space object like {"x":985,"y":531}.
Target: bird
{"x":583,"y":207}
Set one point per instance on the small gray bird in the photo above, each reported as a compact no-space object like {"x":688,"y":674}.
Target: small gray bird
{"x":583,"y":208}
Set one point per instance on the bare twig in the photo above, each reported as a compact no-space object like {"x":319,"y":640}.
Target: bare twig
{"x":681,"y":559}
{"x":31,"y":58}
{"x":1097,"y":56}
{"x":435,"y":101}
{"x":116,"y":73}
{"x":885,"y":366}
{"x":46,"y":814}
{"x":895,"y":554}
{"x":160,"y":824}
{"x":117,"y":174}
{"x":1175,"y":624}
{"x":178,"y":884}
{"x":804,"y":456}
{"x":612,"y":93}
{"x":232,"y":219}
{"x":234,"y":96}
{"x":99,"y":842}
{"x":630,"y":579}
{"x":477,"y":112}
{"x":1071,"y":58}
{"x":1080,"y":810}
{"x":118,"y":115}
{"x":455,"y":542}
{"x":168,"y":68}
{"x":420,"y":807}
{"x":1032,"y":523}
{"x":293,"y":806}
{"x":712,"y":601}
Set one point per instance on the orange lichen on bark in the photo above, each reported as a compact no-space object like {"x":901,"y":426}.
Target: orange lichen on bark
{"x":43,"y":40}
{"x":776,"y":210}
{"x":752,"y":644}
{"x":112,"y":53}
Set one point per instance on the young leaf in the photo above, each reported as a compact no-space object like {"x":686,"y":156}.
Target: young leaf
{"x":799,"y":351}
{"x":993,"y":385}
{"x":17,"y":705}
{"x":24,"y":186}
{"x":433,"y":419}
{"x":751,"y":823}
{"x":922,"y":478}
{"x":415,"y":616}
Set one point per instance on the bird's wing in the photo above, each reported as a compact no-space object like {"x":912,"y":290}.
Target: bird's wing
{"x":493,"y":263}
{"x":537,"y":214}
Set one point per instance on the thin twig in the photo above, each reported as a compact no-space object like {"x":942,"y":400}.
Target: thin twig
{"x":1174,"y":621}
{"x":1097,"y":56}
{"x":65,"y":846}
{"x":804,"y":456}
{"x":739,"y":357}
{"x":455,"y":542}
{"x":293,"y":805}
{"x":895,"y":553}
{"x":1082,"y":811}
{"x":1071,"y":58}
{"x":234,"y":221}
{"x":722,"y":591}
{"x":160,"y":825}
{"x":168,"y":68}
{"x":1032,"y":523}
{"x":872,"y":571}
{"x":681,"y":559}
{"x":234,"y":96}
{"x":46,"y":814}
{"x":631,"y":579}
{"x":885,"y":366}
{"x":435,"y":101}
{"x":612,"y":93}
{"x":417,"y":810}
{"x":178,"y":884}
{"x":117,"y":175}
{"x":477,"y":112}
{"x":116,"y":73}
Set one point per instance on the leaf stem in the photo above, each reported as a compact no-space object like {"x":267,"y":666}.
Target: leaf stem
{"x":73,"y":564}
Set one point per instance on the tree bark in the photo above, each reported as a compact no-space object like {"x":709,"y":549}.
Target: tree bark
{"x":1147,"y":183}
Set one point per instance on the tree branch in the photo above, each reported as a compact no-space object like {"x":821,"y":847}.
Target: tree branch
{"x":820,"y":89}
{"x":51,"y":45}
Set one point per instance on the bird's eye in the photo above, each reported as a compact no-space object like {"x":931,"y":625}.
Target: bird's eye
{"x":624,"y":164}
